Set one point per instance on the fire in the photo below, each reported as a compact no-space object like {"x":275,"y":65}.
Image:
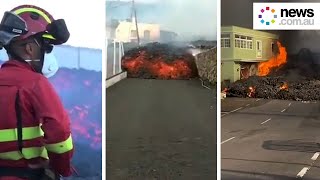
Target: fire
{"x":284,"y":86}
{"x":274,"y":62}
{"x":157,"y":62}
{"x":251,"y":91}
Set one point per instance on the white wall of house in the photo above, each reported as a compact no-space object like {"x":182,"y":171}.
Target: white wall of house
{"x":126,"y":31}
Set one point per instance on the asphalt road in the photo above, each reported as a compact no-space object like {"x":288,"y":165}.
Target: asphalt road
{"x":270,"y":139}
{"x":161,"y":129}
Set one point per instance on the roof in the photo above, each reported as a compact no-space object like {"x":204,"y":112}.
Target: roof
{"x":245,"y":31}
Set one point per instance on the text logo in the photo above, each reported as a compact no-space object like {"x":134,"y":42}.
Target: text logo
{"x":267,"y":16}
{"x":286,"y":16}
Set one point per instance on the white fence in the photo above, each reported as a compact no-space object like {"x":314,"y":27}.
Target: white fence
{"x":115,"y":51}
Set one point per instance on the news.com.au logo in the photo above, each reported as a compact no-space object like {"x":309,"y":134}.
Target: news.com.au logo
{"x":294,"y":16}
{"x":267,"y":16}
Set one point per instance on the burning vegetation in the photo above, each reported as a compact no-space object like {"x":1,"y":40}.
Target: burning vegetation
{"x":159,"y":61}
{"x":282,"y":77}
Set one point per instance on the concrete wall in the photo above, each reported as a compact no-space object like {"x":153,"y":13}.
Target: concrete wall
{"x":227,"y":71}
{"x":207,"y":65}
{"x":230,"y":71}
{"x":236,"y":69}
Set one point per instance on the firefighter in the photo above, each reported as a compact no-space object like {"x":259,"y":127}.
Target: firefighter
{"x":35,"y":133}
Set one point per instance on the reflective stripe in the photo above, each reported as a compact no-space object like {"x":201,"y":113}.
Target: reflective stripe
{"x":22,"y":10}
{"x":7,"y":135}
{"x":61,"y":147}
{"x":27,"y":153}
{"x":48,"y":36}
{"x":44,"y":15}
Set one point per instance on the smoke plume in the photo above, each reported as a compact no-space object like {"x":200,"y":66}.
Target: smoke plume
{"x":239,"y":13}
{"x":192,"y":20}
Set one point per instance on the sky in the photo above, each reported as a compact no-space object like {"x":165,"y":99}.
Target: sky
{"x":186,"y":17}
{"x":84,"y":19}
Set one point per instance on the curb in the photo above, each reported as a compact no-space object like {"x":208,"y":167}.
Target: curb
{"x":115,"y":79}
{"x":223,"y":95}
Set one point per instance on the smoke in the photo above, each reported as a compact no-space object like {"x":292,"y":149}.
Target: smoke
{"x":191,"y":20}
{"x":239,"y":13}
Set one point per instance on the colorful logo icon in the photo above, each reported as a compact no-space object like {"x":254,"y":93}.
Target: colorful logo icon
{"x":267,"y":16}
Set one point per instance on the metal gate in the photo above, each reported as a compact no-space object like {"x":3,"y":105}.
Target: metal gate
{"x":115,"y":52}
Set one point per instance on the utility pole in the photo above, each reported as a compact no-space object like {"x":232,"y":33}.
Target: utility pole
{"x":136,"y":21}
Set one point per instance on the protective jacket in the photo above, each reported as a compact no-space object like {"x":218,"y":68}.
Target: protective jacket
{"x":34,"y":126}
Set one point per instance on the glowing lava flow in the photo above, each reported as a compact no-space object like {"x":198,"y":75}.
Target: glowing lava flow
{"x":251,"y":91}
{"x":275,"y":62}
{"x":159,"y":62}
{"x":284,"y":86}
{"x":80,"y":91}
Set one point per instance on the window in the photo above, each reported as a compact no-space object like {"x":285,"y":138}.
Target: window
{"x":225,"y":41}
{"x":133,"y":33}
{"x":243,"y":42}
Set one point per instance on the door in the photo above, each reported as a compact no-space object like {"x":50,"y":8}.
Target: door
{"x":259,"y":49}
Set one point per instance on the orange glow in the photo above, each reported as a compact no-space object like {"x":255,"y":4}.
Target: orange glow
{"x":83,"y":128}
{"x":251,"y":91}
{"x":284,"y":86}
{"x":79,"y":91}
{"x":274,"y":62}
{"x":158,"y":67}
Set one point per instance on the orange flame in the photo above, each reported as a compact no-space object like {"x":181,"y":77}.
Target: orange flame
{"x":284,"y":86}
{"x":274,"y":62}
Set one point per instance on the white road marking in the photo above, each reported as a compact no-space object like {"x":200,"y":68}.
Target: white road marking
{"x":236,"y":109}
{"x":305,"y":169}
{"x":226,"y":113}
{"x":227,"y":140}
{"x":303,"y":172}
{"x":283,"y":110}
{"x":289,"y":104}
{"x":266,"y":121}
{"x":258,"y":100}
{"x":247,"y":105}
{"x":315,"y":156}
